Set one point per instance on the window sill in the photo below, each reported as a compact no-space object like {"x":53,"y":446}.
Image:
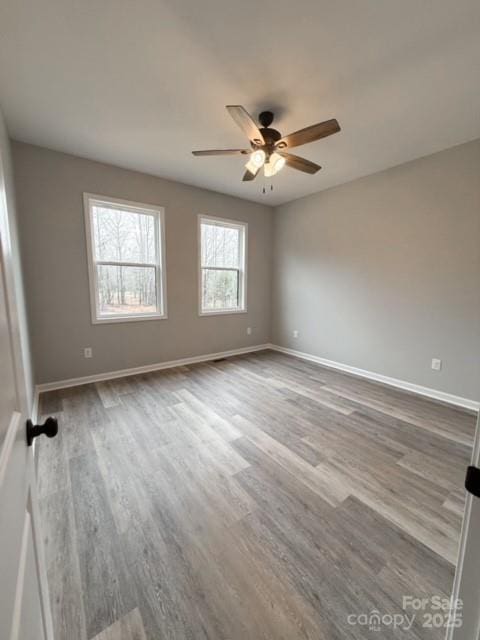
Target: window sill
{"x":115,"y":319}
{"x":226,"y":312}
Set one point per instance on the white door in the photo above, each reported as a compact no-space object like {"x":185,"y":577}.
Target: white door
{"x":24,"y":605}
{"x":466,"y":587}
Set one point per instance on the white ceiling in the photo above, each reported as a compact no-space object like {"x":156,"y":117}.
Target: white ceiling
{"x":140,"y":83}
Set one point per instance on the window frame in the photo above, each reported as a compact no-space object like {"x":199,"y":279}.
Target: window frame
{"x":242,"y":271}
{"x":158,"y":213}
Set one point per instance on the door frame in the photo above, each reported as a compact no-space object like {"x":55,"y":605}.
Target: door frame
{"x":466,"y":585}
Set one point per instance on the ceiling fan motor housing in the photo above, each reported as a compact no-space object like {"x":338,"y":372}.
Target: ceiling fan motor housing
{"x":271,"y":136}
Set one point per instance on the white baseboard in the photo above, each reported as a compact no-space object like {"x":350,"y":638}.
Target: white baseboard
{"x":434,"y":394}
{"x":121,"y":373}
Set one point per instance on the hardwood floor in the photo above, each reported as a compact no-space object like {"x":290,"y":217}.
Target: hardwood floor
{"x":258,"y":497}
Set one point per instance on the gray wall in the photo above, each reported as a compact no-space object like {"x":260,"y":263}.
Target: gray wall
{"x":49,"y":192}
{"x":383,"y":273}
{"x":17,"y":303}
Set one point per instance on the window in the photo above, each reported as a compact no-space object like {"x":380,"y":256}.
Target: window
{"x":223,"y":249}
{"x":125,"y":242}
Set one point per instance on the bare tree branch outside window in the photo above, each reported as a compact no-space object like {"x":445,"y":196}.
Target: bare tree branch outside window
{"x":126,"y":260}
{"x":221,"y":266}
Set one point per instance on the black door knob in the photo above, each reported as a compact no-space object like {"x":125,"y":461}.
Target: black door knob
{"x":49,"y":428}
{"x":472,"y":481}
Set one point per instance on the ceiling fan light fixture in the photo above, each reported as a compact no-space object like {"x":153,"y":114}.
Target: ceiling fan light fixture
{"x":265,"y":142}
{"x":257,"y":160}
{"x":275,"y":163}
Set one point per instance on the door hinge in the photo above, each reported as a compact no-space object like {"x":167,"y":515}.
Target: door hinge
{"x":472,"y":481}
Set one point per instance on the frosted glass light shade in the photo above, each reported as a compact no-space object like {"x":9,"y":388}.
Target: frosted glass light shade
{"x":257,"y":159}
{"x":275,"y":163}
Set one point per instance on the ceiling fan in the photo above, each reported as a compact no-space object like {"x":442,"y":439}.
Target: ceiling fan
{"x":268,"y":146}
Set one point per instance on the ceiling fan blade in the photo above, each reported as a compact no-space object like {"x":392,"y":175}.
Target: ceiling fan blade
{"x":309,"y":134}
{"x":246,"y":123}
{"x":222,"y":152}
{"x":301,"y":164}
{"x":248,"y":176}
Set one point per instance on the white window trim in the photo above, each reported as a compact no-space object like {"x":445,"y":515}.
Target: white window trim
{"x":136,"y":207}
{"x":236,"y":224}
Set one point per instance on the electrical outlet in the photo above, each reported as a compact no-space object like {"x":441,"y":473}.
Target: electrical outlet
{"x":436,"y":364}
{"x":295,"y":333}
{"x":87,"y":352}
{"x":249,"y":331}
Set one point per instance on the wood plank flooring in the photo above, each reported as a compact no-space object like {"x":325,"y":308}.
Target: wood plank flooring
{"x":257,"y":497}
